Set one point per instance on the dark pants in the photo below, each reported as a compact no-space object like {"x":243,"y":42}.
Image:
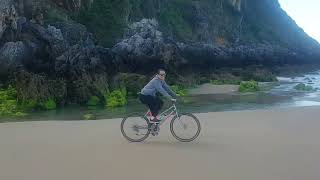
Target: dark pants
{"x":154,"y":103}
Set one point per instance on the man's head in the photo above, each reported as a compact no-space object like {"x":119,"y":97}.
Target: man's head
{"x":161,"y":74}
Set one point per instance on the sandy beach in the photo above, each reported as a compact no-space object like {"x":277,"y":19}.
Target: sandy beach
{"x":278,"y":144}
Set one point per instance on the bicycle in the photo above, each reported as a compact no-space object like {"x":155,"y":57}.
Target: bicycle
{"x":142,"y":127}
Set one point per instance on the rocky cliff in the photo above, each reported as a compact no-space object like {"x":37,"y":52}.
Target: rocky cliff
{"x":71,"y":50}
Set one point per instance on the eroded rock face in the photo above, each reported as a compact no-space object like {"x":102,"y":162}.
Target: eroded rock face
{"x":199,"y":54}
{"x":142,"y":40}
{"x":131,"y":81}
{"x":144,"y":43}
{"x":72,"y":32}
{"x":39,"y":88}
{"x":236,"y":4}
{"x":13,"y":52}
{"x":202,"y":23}
{"x":73,"y":5}
{"x":11,"y":10}
{"x":12,"y":57}
{"x":87,"y":69}
{"x":8,"y":16}
{"x":61,"y":62}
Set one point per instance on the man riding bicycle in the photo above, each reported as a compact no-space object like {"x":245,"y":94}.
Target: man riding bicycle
{"x":148,"y":94}
{"x":185,"y":127}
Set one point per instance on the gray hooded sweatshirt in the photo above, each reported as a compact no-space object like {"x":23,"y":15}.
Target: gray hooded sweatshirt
{"x":158,"y":85}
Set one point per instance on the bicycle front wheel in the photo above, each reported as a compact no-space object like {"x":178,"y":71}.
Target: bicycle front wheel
{"x":185,"y":128}
{"x":135,"y":128}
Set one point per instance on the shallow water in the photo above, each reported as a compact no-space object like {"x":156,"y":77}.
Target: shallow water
{"x":274,"y":95}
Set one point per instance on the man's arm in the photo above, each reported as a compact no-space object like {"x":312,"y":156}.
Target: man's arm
{"x":160,"y":89}
{"x":169,"y":90}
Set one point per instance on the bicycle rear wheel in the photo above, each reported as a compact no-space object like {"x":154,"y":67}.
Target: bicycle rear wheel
{"x":185,"y":128}
{"x":135,"y":128}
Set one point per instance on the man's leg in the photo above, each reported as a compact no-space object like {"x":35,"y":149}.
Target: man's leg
{"x":151,"y":103}
{"x":154,"y":106}
{"x":159,"y":104}
{"x":148,"y":101}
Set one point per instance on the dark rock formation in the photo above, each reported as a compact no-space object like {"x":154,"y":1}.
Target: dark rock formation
{"x":72,"y":32}
{"x":145,"y":45}
{"x":133,"y":83}
{"x":60,"y":62}
{"x":87,"y":69}
{"x":13,"y":52}
{"x":8,"y":16}
{"x":39,"y":88}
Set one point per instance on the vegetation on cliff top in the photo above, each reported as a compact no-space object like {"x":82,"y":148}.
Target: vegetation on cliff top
{"x":212,"y":21}
{"x":175,"y":20}
{"x":107,"y":19}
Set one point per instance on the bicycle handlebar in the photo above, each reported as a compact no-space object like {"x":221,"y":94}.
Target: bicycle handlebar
{"x":174,"y":101}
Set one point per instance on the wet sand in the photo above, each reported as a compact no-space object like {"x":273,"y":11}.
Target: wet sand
{"x":213,"y":89}
{"x":278,"y":144}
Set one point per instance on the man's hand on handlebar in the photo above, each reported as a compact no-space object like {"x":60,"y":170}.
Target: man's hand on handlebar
{"x":174,"y":100}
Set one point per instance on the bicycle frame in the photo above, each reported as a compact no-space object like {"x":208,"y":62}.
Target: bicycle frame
{"x":166,"y":114}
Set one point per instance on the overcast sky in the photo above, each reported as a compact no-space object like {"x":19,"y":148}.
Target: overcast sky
{"x":306,"y":13}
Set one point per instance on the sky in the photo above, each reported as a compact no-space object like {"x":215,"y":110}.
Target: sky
{"x":306,"y":13}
